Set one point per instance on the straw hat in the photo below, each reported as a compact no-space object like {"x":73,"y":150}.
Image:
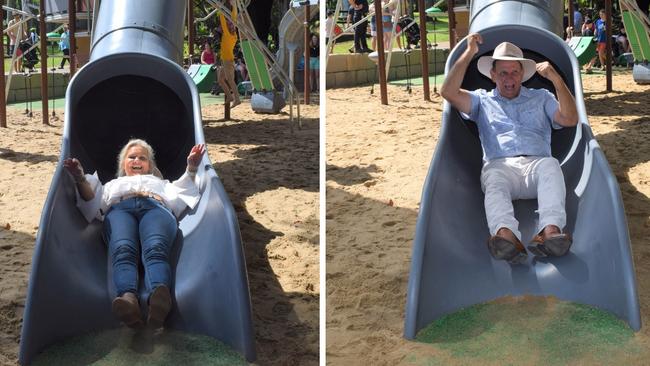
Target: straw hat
{"x":510,"y":52}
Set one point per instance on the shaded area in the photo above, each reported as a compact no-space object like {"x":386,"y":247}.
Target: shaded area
{"x":127,"y":347}
{"x":622,"y":103}
{"x":14,"y":268}
{"x":294,"y":165}
{"x":128,"y":106}
{"x":351,"y":175}
{"x":550,"y":331}
{"x":14,"y":156}
{"x":366,"y":285}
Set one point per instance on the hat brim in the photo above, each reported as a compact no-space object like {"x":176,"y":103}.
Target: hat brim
{"x":484,"y":65}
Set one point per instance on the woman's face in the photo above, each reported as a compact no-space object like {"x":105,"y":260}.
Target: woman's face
{"x":314,"y":39}
{"x":207,"y":47}
{"x":137,"y":161}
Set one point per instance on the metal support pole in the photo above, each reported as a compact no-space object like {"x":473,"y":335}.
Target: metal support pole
{"x":452,"y":24}
{"x":381,"y":57}
{"x":72,"y":25}
{"x":190,"y":29}
{"x":424,"y":50}
{"x":608,"y":48}
{"x":3,"y":97}
{"x":43,"y":35}
{"x":306,"y":83}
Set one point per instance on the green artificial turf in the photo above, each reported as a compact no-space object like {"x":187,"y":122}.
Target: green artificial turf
{"x":529,"y":331}
{"x":127,"y":347}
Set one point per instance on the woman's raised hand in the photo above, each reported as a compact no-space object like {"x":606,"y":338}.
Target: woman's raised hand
{"x":195,"y":156}
{"x":73,"y":166}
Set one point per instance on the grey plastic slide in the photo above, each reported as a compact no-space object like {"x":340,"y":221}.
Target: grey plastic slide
{"x":292,"y":34}
{"x":451,"y":268}
{"x":133,"y":86}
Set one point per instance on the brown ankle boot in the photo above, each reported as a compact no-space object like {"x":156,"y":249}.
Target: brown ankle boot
{"x":127,"y":309}
{"x":160,"y":303}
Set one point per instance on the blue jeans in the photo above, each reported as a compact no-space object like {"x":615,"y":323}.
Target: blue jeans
{"x":135,"y":227}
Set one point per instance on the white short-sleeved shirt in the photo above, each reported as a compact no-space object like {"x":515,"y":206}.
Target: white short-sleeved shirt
{"x":176,"y":195}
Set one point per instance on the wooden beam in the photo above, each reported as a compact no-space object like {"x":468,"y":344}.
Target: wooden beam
{"x":43,"y":35}
{"x":608,"y":48}
{"x":381,"y":56}
{"x":72,"y":26}
{"x":3,"y":96}
{"x":306,"y":86}
{"x":424,"y":50}
{"x":191,"y":29}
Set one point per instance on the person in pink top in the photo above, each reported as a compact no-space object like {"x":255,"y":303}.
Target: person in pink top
{"x":207,"y":56}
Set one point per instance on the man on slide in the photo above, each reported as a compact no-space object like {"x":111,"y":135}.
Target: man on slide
{"x":514,"y":124}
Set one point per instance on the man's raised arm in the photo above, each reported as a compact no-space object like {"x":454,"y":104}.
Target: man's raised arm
{"x":451,"y":90}
{"x":567,"y":114}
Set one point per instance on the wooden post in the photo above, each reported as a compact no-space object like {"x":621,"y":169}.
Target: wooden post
{"x":43,"y":35}
{"x":381,"y":57}
{"x":306,"y":83}
{"x":190,"y":29}
{"x":72,"y":26}
{"x":608,"y":48}
{"x":452,"y":24}
{"x":3,"y":97}
{"x":424,"y":49}
{"x":571,"y":17}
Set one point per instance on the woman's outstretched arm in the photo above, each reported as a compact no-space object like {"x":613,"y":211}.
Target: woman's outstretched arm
{"x":73,"y":166}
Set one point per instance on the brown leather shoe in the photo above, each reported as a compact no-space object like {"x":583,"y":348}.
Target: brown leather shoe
{"x":127,"y":309}
{"x":160,"y":303}
{"x":555,"y":245}
{"x":502,"y":248}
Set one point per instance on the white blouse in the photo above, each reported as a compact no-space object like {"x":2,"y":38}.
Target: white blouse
{"x":176,"y":195}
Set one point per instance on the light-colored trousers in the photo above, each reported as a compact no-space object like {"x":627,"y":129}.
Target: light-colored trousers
{"x":526,"y":177}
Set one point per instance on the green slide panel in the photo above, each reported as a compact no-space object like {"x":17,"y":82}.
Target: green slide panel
{"x":638,"y":37}
{"x":203,"y":76}
{"x":257,"y":70}
{"x":584,"y":49}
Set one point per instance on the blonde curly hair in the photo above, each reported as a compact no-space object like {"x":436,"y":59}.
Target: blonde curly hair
{"x":150,"y":153}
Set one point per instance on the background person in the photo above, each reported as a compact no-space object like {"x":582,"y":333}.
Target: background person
{"x":314,"y":67}
{"x":64,"y":46}
{"x":226,"y":73}
{"x":207,"y":55}
{"x":359,"y":11}
{"x":601,"y":47}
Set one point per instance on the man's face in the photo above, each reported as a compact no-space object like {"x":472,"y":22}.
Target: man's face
{"x":602,"y":15}
{"x":507,"y":75}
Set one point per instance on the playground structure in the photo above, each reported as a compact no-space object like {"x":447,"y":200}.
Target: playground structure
{"x":134,"y":85}
{"x":291,"y":32}
{"x":261,"y":63}
{"x":584,"y":48}
{"x":451,"y":268}
{"x":637,"y":25}
{"x":407,"y":25}
{"x":56,"y":11}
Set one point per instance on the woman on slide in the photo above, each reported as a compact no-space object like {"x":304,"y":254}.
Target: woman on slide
{"x":140,"y":210}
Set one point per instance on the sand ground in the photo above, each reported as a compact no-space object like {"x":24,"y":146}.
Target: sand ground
{"x":271,"y":177}
{"x":377,"y":160}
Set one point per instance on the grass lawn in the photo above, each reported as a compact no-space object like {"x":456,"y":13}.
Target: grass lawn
{"x":441,"y":26}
